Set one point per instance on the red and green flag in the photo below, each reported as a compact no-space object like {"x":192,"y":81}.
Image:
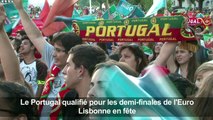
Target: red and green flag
{"x":59,"y":8}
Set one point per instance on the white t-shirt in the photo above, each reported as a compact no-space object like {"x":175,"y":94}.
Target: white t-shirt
{"x":30,"y":72}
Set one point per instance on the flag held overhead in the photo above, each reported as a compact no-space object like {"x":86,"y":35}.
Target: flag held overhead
{"x":157,"y":5}
{"x":59,"y":8}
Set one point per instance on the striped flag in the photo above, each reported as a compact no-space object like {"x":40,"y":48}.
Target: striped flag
{"x":45,"y":11}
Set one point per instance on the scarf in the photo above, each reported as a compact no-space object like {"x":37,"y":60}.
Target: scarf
{"x":55,"y":112}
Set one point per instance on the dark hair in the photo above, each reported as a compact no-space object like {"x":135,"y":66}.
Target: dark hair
{"x":138,"y":54}
{"x":115,"y":57}
{"x":192,"y":66}
{"x":67,"y":40}
{"x":199,"y":27}
{"x":103,"y":46}
{"x":88,"y":56}
{"x":25,"y":37}
{"x":21,"y":32}
{"x":12,"y":94}
{"x":154,"y":53}
{"x":17,"y":43}
{"x":184,"y":86}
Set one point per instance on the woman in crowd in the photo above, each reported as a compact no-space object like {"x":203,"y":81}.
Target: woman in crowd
{"x":203,"y":101}
{"x":134,"y":57}
{"x":185,"y":62}
{"x":202,"y":72}
{"x":204,"y":82}
{"x":115,"y":48}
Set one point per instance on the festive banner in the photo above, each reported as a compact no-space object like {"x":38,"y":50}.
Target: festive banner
{"x":156,"y":29}
{"x":111,"y":14}
{"x":125,"y":8}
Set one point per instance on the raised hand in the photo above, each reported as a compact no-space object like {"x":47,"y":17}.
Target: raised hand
{"x":18,"y":4}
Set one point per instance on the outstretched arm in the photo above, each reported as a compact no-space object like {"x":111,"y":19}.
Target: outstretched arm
{"x":8,"y":57}
{"x":30,"y":28}
{"x":165,"y":53}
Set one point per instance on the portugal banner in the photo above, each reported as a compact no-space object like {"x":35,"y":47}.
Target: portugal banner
{"x":155,"y":29}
